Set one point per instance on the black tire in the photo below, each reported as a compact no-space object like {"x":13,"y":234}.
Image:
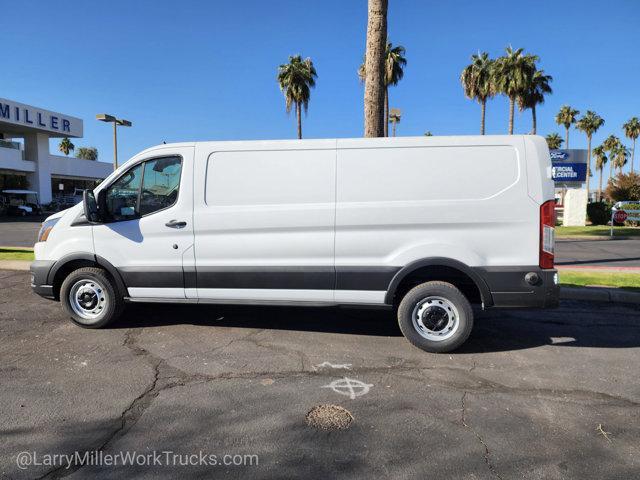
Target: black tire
{"x":455,"y":310}
{"x":109,"y":303}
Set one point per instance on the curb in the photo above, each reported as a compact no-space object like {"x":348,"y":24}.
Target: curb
{"x":22,"y":265}
{"x":599,"y":294}
{"x":588,"y":238}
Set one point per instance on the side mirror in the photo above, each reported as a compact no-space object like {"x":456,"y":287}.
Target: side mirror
{"x":91,"y":211}
{"x":102,"y":203}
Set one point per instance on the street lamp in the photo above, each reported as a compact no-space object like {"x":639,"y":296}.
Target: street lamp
{"x":394,"y":118}
{"x":104,"y":117}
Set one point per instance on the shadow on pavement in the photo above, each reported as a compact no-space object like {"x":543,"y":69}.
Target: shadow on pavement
{"x":494,"y":330}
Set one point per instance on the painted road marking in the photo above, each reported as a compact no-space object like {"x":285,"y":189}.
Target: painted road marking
{"x":349,"y":387}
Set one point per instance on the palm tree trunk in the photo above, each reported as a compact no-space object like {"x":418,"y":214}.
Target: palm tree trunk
{"x":394,"y":129}
{"x":633,"y":153}
{"x":566,"y":141}
{"x":511,"y":109}
{"x":386,"y":111}
{"x":374,"y":66}
{"x":533,"y":119}
{"x":483,"y":110}
{"x":299,"y":117}
{"x":588,"y":165}
{"x":600,"y":185}
{"x":610,"y":168}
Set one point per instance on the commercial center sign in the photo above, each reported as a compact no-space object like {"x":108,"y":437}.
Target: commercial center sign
{"x":568,"y":166}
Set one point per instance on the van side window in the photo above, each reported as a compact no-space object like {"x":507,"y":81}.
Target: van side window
{"x":122,"y":196}
{"x":146,"y":188}
{"x":160,"y":184}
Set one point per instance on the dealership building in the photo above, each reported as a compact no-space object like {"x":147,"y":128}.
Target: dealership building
{"x":25,"y":160}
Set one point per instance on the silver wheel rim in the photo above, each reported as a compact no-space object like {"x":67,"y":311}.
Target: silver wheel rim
{"x":88,"y":299}
{"x":435,"y":318}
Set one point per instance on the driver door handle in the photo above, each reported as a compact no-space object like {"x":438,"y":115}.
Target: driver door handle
{"x":176,"y":224}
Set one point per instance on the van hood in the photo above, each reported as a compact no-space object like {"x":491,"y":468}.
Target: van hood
{"x":62,"y":213}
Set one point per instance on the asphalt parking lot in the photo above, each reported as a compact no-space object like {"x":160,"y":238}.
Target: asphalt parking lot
{"x":534,"y":394}
{"x":598,"y":253}
{"x":19,"y":232}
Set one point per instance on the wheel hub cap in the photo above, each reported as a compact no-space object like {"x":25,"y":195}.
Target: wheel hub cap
{"x":435,"y":318}
{"x":87,"y":299}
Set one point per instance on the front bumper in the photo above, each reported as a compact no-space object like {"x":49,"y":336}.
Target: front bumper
{"x":39,"y":278}
{"x":510,"y":286}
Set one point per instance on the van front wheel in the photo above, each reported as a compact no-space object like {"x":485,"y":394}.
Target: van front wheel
{"x":435,"y":316}
{"x":89,"y":296}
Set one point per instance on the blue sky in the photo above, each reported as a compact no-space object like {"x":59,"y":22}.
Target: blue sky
{"x":205,"y":70}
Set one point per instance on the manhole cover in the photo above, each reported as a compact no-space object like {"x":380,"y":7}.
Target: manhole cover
{"x":329,"y":417}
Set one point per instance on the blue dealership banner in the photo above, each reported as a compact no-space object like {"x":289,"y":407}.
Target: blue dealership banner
{"x":568,"y":171}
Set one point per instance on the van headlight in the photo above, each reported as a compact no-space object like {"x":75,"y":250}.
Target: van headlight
{"x":46,"y":228}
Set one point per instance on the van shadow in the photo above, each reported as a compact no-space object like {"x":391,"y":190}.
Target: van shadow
{"x":130,"y":229}
{"x":574,"y":324}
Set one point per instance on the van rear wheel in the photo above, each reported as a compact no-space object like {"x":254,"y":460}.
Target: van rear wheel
{"x":90,"y":298}
{"x":435,"y":317}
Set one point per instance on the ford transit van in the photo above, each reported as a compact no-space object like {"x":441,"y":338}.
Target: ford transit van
{"x":428,"y":226}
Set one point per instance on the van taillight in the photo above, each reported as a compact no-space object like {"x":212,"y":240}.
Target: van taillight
{"x":547,"y":233}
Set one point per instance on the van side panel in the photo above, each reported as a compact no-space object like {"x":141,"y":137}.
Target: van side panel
{"x":264,"y":223}
{"x":468,"y":202}
{"x":539,"y":181}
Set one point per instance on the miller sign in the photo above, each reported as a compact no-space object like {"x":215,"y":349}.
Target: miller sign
{"x":27,"y":117}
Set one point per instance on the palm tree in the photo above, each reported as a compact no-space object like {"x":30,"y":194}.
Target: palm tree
{"x":610,"y":145}
{"x":428,"y":133}
{"x":600,"y":155}
{"x":567,"y":116}
{"x":66,"y":146}
{"x":296,"y":79}
{"x":534,"y":94}
{"x":374,"y":87}
{"x":393,"y":73}
{"x":589,"y":124}
{"x":554,"y":141}
{"x":619,"y":157}
{"x":477,"y":82}
{"x":632,"y":132}
{"x":511,"y":76}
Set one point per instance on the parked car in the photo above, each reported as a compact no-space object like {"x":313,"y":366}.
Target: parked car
{"x":22,"y":202}
{"x":428,"y":225}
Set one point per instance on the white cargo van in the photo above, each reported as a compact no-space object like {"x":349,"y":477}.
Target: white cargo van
{"x":428,"y":225}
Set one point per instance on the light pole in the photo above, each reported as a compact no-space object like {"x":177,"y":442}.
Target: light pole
{"x":104,"y":117}
{"x":394,"y":118}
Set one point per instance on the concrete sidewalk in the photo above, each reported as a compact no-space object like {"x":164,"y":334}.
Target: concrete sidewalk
{"x":21,"y":265}
{"x":597,"y":268}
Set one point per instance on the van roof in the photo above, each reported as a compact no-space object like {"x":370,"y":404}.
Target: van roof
{"x":359,"y":142}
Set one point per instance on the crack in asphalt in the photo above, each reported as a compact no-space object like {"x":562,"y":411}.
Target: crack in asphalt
{"x":487,"y":453}
{"x":166,"y":377}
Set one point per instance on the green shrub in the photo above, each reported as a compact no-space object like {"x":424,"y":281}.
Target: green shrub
{"x":599,"y":213}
